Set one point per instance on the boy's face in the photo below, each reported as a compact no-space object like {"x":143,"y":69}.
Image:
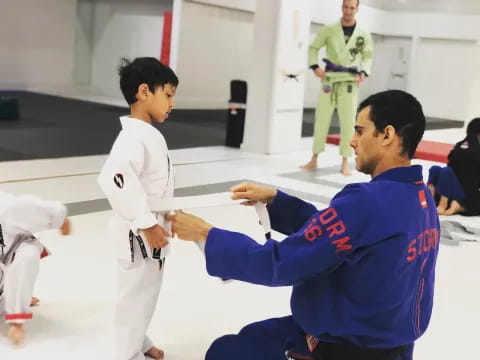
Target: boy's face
{"x":161,"y":102}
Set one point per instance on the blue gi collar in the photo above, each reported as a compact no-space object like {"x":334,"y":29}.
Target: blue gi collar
{"x":403,"y":174}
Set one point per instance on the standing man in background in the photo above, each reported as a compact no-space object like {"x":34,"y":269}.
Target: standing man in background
{"x":348,"y":62}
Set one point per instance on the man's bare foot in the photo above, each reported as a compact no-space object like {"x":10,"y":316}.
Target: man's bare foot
{"x":454,"y":208}
{"x":312,"y":164}
{"x":345,"y":170}
{"x":16,"y":334}
{"x":34,"y":301}
{"x":155,"y":353}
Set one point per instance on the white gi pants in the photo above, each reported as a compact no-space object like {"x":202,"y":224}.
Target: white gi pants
{"x":20,"y":277}
{"x":138,"y":285}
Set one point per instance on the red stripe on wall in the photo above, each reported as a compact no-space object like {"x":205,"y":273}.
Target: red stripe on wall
{"x":426,"y":150}
{"x":166,"y":38}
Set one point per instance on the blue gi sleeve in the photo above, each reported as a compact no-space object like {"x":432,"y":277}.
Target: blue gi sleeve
{"x":325,"y":241}
{"x":288,"y":213}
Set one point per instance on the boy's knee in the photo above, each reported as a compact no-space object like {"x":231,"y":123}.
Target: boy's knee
{"x":27,"y":254}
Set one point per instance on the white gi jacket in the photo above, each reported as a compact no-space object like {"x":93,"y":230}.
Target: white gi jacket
{"x":27,"y":214}
{"x":137,"y":169}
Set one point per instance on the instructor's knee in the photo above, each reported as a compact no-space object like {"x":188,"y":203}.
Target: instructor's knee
{"x":253,"y":331}
{"x":224,"y":347}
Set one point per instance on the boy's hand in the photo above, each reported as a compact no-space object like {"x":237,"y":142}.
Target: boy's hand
{"x":66,"y":228}
{"x":252,"y":193}
{"x":156,"y":236}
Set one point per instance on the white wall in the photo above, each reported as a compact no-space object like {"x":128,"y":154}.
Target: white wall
{"x":443,"y":80}
{"x":215,"y":47}
{"x":473,"y":109}
{"x":216,"y":38}
{"x":83,"y":47}
{"x":36,"y":42}
{"x":225,"y":27}
{"x":124,"y":28}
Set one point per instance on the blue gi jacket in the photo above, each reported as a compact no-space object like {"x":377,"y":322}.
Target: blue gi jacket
{"x":362,"y":270}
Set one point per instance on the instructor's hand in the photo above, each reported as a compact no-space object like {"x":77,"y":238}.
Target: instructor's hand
{"x":156,"y":236}
{"x":189,"y":227}
{"x":253,"y":193}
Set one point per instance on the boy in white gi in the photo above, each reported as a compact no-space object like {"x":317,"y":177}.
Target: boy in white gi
{"x":137,"y":169}
{"x":20,"y":253}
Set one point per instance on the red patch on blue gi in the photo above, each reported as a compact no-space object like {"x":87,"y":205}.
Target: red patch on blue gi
{"x":422,"y":198}
{"x":118,"y":180}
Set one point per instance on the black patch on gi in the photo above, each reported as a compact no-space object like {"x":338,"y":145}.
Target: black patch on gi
{"x":118,"y":180}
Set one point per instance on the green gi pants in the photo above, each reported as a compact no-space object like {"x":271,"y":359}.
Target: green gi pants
{"x":342,"y":96}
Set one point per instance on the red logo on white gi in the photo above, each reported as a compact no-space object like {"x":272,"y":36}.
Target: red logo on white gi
{"x":118,"y":180}
{"x":422,"y":198}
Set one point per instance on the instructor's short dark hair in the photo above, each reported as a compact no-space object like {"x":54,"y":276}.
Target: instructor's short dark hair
{"x":400,"y":110}
{"x":143,"y":70}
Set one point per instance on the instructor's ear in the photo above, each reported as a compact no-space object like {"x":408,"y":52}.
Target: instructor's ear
{"x":389,"y":133}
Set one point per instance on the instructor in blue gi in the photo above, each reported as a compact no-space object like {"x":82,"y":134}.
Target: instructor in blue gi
{"x":363,"y":280}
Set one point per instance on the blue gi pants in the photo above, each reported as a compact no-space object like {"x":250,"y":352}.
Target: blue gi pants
{"x":270,"y":339}
{"x":446,"y":183}
{"x":263,"y":340}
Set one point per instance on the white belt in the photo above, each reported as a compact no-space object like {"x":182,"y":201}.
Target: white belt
{"x":166,"y":205}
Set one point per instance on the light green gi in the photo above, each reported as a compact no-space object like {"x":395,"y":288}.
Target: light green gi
{"x":339,"y":89}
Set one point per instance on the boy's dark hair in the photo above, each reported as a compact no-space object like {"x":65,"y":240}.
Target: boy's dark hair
{"x":143,"y":70}
{"x":400,"y":110}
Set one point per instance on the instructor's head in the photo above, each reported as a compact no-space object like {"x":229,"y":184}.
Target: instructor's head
{"x":388,"y":128}
{"x":349,"y":10}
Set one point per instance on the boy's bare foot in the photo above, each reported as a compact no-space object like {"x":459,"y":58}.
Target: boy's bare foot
{"x":155,"y":353}
{"x":454,"y":208}
{"x":16,"y":334}
{"x":34,"y":301}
